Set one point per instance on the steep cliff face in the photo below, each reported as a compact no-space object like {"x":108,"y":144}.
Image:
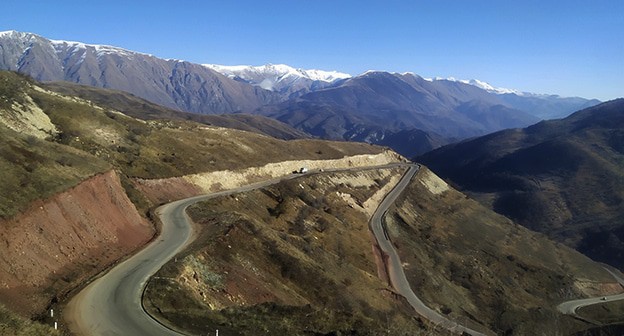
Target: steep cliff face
{"x":60,"y":242}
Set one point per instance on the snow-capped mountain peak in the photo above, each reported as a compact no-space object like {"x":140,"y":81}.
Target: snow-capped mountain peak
{"x":7,"y":33}
{"x":62,"y":45}
{"x":99,"y":49}
{"x":487,"y":87}
{"x":478,"y":83}
{"x":275,"y":76}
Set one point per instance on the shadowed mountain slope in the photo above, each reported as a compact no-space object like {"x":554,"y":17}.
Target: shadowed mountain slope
{"x":561,"y":177}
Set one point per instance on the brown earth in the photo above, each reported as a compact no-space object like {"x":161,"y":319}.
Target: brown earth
{"x":291,"y":259}
{"x":159,"y":191}
{"x":58,"y":243}
{"x":65,"y":215}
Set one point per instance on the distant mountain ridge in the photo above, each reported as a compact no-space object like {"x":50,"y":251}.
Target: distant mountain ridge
{"x":281,"y":78}
{"x":378,"y":106}
{"x":543,"y":106}
{"x":478,"y":83}
{"x":281,"y":71}
{"x":374,"y":107}
{"x":171,"y":83}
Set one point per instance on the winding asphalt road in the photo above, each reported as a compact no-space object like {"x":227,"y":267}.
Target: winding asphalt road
{"x":570,"y":307}
{"x":111,"y":305}
{"x":395,"y":268}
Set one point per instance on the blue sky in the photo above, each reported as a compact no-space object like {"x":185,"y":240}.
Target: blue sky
{"x":571,"y":48}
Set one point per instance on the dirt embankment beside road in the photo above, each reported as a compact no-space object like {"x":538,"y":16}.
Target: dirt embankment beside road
{"x":60,"y":242}
{"x":165,"y":190}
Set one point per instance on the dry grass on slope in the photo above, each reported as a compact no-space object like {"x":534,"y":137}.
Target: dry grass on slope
{"x":159,"y":148}
{"x":33,"y":169}
{"x":142,"y":109}
{"x":156,"y":149}
{"x":12,"y":324}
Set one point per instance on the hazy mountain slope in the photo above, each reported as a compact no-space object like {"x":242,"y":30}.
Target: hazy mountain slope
{"x":562,"y":177}
{"x":547,"y":106}
{"x":405,"y":142}
{"x":377,"y":105}
{"x":320,"y":120}
{"x":542,"y":106}
{"x":409,"y":101}
{"x":493,"y":117}
{"x":338,"y":124}
{"x":172,"y":83}
{"x":142,"y":109}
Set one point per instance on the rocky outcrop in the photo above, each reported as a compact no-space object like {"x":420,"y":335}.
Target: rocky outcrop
{"x":59,"y":243}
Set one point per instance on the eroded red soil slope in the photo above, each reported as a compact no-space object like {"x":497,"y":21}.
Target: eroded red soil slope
{"x":60,"y":242}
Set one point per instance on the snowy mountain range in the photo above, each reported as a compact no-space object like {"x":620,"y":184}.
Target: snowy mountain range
{"x":281,"y":78}
{"x":374,"y":106}
{"x":480,"y":84}
{"x":275,"y":77}
{"x":172,"y":83}
{"x":280,"y":72}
